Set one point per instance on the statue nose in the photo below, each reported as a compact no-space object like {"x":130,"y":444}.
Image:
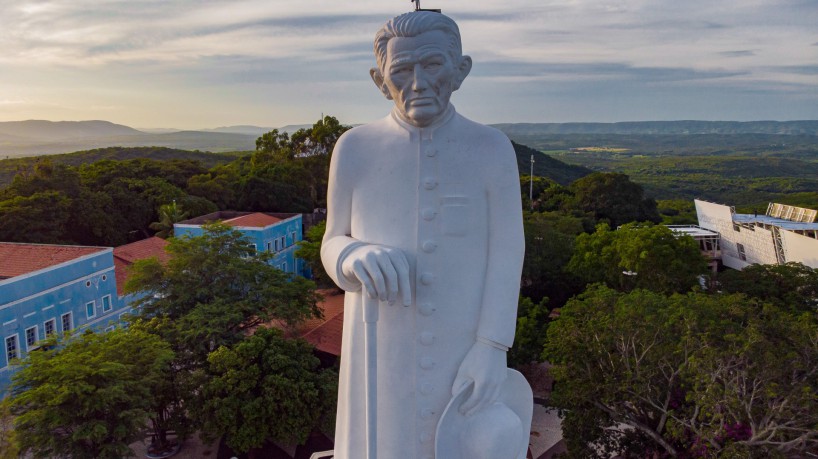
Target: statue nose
{"x":420,"y":79}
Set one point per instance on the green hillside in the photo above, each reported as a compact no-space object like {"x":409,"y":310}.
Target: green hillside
{"x":9,"y":167}
{"x":546,"y":166}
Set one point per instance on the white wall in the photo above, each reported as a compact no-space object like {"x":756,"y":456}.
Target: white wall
{"x":800,"y":248}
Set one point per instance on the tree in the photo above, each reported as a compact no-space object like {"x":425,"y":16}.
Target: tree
{"x":215,"y":288}
{"x":89,"y":396}
{"x":549,"y":242}
{"x":40,"y":218}
{"x":612,"y":198}
{"x":8,"y":437}
{"x":529,"y":336}
{"x":638,"y":256}
{"x":168,"y":215}
{"x":214,"y":291}
{"x":793,"y":286}
{"x":309,"y":250}
{"x":691,"y":375}
{"x":266,"y":388}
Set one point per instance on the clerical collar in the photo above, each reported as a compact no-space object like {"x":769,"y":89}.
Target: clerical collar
{"x":447,"y":116}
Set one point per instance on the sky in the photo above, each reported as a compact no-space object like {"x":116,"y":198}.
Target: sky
{"x":208,"y":63}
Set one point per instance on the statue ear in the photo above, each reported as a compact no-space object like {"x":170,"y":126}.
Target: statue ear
{"x":377,"y":77}
{"x":463,"y":71}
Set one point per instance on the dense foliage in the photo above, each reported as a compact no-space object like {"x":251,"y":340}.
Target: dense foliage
{"x":88,"y":397}
{"x":691,"y":375}
{"x":213,"y":292}
{"x":265,"y":388}
{"x":638,"y":255}
{"x":111,"y":202}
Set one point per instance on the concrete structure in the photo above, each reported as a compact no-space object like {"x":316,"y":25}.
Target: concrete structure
{"x":708,"y":242}
{"x":47,"y":289}
{"x":784,"y":234}
{"x":278,"y":233}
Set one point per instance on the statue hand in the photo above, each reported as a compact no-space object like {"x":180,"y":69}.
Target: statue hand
{"x":382,"y":271}
{"x":486,"y":366}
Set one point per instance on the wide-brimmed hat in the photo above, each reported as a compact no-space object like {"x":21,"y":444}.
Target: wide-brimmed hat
{"x":500,"y":431}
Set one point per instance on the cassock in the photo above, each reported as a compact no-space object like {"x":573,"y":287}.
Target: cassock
{"x":448,"y":196}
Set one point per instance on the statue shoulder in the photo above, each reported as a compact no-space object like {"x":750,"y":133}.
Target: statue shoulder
{"x":485,"y":135}
{"x":359,"y":139}
{"x":489,"y":144}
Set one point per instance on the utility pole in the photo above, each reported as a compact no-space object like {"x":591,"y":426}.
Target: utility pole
{"x":531,"y":185}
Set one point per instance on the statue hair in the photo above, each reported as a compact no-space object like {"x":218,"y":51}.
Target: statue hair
{"x":412,"y":24}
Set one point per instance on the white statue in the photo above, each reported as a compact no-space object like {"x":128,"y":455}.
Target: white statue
{"x":424,"y":214}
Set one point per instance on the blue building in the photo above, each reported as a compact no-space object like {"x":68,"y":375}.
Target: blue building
{"x":47,"y":289}
{"x":277,"y":233}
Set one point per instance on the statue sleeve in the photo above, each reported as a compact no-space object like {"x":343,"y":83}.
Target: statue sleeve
{"x":337,"y":242}
{"x":506,"y":248}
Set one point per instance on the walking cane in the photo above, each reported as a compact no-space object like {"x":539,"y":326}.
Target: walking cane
{"x":370,"y":310}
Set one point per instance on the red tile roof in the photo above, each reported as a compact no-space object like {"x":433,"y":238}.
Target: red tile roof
{"x":18,"y":259}
{"x":325,"y":334}
{"x":126,"y":255}
{"x":256,"y":220}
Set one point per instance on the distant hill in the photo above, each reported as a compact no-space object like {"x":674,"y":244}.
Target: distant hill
{"x":546,"y":166}
{"x":184,"y":140}
{"x":687,"y":127}
{"x":9,"y":167}
{"x":256,"y":131}
{"x":47,"y":131}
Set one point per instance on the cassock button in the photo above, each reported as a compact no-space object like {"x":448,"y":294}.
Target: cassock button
{"x":428,"y":213}
{"x":426,"y":309}
{"x":429,"y":183}
{"x":427,"y":278}
{"x":426,"y":388}
{"x":427,"y":363}
{"x":427,"y":338}
{"x":429,"y":246}
{"x":431,"y":152}
{"x":425,"y":437}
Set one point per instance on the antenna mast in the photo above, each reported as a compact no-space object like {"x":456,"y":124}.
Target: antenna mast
{"x":418,"y":8}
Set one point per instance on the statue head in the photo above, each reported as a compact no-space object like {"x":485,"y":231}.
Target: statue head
{"x":420,"y":64}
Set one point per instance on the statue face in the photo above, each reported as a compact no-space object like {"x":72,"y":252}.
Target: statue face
{"x":420,"y":75}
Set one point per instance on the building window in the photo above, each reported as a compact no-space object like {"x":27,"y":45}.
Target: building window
{"x":12,"y":349}
{"x":736,"y":227}
{"x":269,"y":246}
{"x":31,"y":338}
{"x":50,"y":327}
{"x":293,"y":235}
{"x":283,"y":242}
{"x":87,"y":283}
{"x":104,"y":278}
{"x":106,"y":303}
{"x":90,"y":309}
{"x":741,"y":253}
{"x":67,"y":322}
{"x":110,"y":329}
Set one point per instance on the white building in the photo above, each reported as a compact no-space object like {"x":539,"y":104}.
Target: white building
{"x":784,"y":234}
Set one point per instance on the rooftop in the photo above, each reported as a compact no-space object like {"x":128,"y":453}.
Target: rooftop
{"x":693,"y":230}
{"x":325,"y":334}
{"x":256,"y":220}
{"x":773,"y":221}
{"x":236,"y":218}
{"x":18,"y":259}
{"x":128,"y":254}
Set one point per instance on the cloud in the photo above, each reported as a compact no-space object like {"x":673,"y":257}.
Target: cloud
{"x":596,"y":71}
{"x":797,"y":69}
{"x":738,"y":53}
{"x":219,"y":58}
